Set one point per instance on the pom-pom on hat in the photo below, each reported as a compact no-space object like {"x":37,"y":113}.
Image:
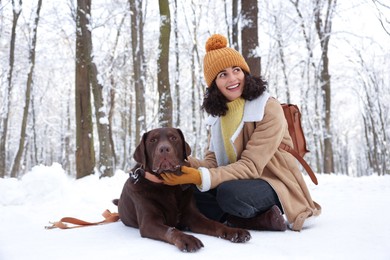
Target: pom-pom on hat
{"x":219,"y":57}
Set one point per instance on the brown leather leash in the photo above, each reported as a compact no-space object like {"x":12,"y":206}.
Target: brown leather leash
{"x":77,"y":223}
{"x":301,"y":160}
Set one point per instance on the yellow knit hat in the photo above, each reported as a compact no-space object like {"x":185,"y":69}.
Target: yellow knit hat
{"x":219,"y":57}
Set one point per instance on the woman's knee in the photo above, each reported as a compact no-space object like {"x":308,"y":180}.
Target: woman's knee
{"x":233,"y":201}
{"x":246,"y":198}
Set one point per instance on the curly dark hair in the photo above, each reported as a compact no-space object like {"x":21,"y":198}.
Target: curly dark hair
{"x":215,"y":103}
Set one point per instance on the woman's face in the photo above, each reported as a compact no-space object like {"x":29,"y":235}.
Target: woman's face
{"x":231,"y":82}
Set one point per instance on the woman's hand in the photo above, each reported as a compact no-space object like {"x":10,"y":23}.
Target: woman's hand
{"x":189,"y":176}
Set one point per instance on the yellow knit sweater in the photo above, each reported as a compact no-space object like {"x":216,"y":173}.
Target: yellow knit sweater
{"x":229,"y":124}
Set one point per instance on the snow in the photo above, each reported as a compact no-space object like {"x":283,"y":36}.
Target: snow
{"x":353,"y":224}
{"x":103,"y":121}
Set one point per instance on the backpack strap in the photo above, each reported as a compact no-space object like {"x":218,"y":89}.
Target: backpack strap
{"x":301,"y":160}
{"x":108,"y":218}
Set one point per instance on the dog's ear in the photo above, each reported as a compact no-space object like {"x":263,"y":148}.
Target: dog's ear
{"x":186,"y":148}
{"x":140,"y":154}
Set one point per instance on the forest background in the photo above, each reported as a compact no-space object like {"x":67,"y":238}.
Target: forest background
{"x":81,"y":81}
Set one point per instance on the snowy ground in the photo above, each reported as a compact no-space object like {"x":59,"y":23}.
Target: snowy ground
{"x":354,"y":223}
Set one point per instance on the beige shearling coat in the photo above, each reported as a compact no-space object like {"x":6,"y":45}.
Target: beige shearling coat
{"x":256,"y":143}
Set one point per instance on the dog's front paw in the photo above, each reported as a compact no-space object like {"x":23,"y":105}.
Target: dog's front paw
{"x":188,"y":243}
{"x":236,"y":235}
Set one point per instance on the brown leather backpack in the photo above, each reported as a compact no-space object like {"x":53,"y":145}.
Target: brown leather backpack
{"x":293,"y":117}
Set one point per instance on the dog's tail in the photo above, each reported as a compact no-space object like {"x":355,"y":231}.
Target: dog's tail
{"x":115,"y":201}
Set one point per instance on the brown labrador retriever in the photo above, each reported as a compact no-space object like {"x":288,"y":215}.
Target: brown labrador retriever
{"x":161,"y":211}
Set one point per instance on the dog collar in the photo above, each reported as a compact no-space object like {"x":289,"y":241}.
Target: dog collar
{"x":136,"y":175}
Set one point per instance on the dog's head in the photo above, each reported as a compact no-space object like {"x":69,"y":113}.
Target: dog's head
{"x":162,"y":150}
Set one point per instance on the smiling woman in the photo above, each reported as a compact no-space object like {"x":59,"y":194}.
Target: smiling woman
{"x":245,"y":179}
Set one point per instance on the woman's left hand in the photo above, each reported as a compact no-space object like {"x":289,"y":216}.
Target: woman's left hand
{"x":189,"y":176}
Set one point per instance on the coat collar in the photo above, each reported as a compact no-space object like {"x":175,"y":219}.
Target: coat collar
{"x":253,"y":112}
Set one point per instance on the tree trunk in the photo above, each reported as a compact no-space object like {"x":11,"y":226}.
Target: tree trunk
{"x":250,"y":36}
{"x":66,"y":147}
{"x":19,"y":154}
{"x":106,"y":166}
{"x":16,"y":10}
{"x":194,"y":104}
{"x":177,"y":66}
{"x":324,"y":29}
{"x":105,"y":162}
{"x":85,"y":153}
{"x":136,"y":18}
{"x":164,"y":91}
{"x":34,"y":150}
{"x":235,"y":16}
{"x":113,"y":86}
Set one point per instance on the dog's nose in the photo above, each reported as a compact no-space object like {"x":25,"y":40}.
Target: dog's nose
{"x":164,"y":149}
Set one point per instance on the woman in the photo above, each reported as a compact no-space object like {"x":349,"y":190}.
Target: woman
{"x":245,"y":179}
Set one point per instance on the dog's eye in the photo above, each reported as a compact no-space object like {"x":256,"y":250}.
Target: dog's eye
{"x":153,"y":140}
{"x":173,"y":138}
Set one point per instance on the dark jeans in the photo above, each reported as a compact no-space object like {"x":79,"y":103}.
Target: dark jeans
{"x":241,"y":198}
